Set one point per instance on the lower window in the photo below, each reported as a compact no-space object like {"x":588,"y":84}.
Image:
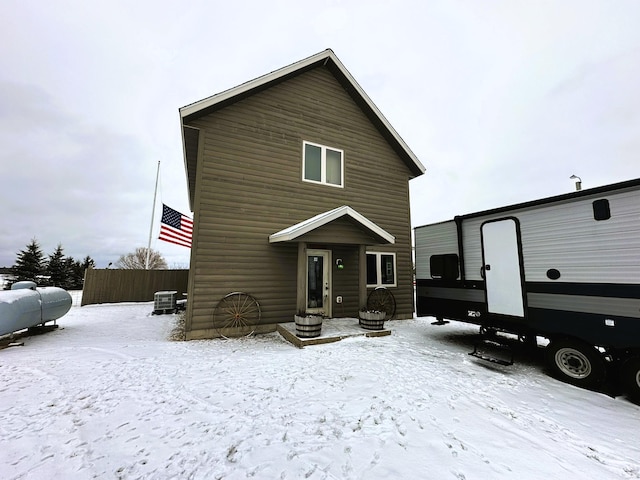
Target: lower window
{"x":381,"y":269}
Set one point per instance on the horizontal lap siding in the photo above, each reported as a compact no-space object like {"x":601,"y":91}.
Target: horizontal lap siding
{"x":250,"y":186}
{"x":345,"y":282}
{"x":565,"y":236}
{"x":437,"y":239}
{"x":339,"y":231}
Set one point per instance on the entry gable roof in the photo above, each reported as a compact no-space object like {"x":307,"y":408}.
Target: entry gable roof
{"x":326,"y":58}
{"x":306,"y":226}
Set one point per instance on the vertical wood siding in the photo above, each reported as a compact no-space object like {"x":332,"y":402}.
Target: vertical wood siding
{"x":114,"y":286}
{"x":249,"y":185}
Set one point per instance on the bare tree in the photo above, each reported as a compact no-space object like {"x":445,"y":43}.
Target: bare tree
{"x":138,"y":259}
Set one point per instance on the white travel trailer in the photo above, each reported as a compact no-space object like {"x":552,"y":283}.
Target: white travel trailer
{"x":566,"y":268}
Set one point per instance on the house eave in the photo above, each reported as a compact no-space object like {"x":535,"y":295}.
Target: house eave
{"x":190,"y":161}
{"x":326,"y":58}
{"x":297,"y":230}
{"x":220,"y":100}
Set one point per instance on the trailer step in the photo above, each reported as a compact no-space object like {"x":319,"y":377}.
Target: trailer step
{"x":9,"y":343}
{"x":487,"y":349}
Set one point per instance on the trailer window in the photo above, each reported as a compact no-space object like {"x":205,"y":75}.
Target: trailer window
{"x":601,"y":210}
{"x":444,"y":267}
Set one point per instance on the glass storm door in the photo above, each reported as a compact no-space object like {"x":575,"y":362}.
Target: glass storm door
{"x":318,"y":282}
{"x":502,"y":270}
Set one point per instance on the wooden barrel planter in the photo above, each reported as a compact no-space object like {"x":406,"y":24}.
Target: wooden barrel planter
{"x":308,"y":326}
{"x":371,"y":320}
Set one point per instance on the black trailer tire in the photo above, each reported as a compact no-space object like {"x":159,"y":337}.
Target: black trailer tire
{"x":576,"y":362}
{"x":630,"y":374}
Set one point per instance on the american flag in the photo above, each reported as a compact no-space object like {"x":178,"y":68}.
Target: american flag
{"x":175,"y":227}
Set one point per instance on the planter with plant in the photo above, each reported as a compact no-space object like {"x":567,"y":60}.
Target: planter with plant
{"x":308,"y":325}
{"x":371,"y":319}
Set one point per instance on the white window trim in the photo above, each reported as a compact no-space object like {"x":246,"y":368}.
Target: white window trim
{"x":323,"y":164}
{"x":379,"y":270}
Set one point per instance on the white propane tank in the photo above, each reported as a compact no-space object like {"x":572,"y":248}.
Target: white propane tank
{"x":26,"y":305}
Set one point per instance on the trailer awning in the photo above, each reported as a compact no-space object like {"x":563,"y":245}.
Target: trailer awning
{"x":365,"y":231}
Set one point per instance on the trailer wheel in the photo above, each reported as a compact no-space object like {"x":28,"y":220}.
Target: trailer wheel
{"x":631,"y":378}
{"x":576,"y":362}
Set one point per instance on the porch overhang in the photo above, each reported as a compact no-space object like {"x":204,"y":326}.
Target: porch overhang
{"x":294,"y":232}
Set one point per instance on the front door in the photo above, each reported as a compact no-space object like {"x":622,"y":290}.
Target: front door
{"x":502,"y":267}
{"x":319,"y":282}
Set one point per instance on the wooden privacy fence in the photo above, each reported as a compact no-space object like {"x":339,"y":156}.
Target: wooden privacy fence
{"x":114,"y":286}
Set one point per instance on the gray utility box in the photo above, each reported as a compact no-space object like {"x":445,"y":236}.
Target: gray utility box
{"x":164,"y":302}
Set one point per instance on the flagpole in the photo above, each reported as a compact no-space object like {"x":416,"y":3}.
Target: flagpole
{"x":153,"y":211}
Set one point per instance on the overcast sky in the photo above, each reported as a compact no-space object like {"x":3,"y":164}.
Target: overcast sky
{"x":501,"y":100}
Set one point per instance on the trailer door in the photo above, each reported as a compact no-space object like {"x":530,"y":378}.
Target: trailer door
{"x":502,"y":267}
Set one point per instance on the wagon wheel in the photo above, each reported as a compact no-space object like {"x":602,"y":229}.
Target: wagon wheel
{"x":382,"y":300}
{"x":236,"y":315}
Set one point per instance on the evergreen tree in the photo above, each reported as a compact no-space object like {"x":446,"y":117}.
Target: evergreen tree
{"x":71,"y":268}
{"x":88,"y":262}
{"x":58,"y":268}
{"x":78,"y":271}
{"x":30,"y":263}
{"x":59,"y":271}
{"x":76,"y":274}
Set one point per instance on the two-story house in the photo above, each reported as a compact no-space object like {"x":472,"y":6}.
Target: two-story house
{"x":300,"y":193}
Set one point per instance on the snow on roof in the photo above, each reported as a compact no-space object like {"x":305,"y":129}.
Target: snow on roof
{"x":295,"y":231}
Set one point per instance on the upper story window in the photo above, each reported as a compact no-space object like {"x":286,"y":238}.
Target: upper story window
{"x":322,"y":164}
{"x":381,"y":269}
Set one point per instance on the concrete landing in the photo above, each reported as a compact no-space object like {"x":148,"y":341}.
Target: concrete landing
{"x":333,"y":330}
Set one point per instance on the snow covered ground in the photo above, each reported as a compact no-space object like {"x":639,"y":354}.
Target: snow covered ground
{"x":107,"y":395}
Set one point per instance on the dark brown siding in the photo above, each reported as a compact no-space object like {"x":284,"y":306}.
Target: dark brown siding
{"x":345,"y":282}
{"x":341,"y":230}
{"x":249,"y":185}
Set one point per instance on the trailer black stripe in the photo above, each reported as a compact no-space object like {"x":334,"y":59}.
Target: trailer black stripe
{"x":619,"y":290}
